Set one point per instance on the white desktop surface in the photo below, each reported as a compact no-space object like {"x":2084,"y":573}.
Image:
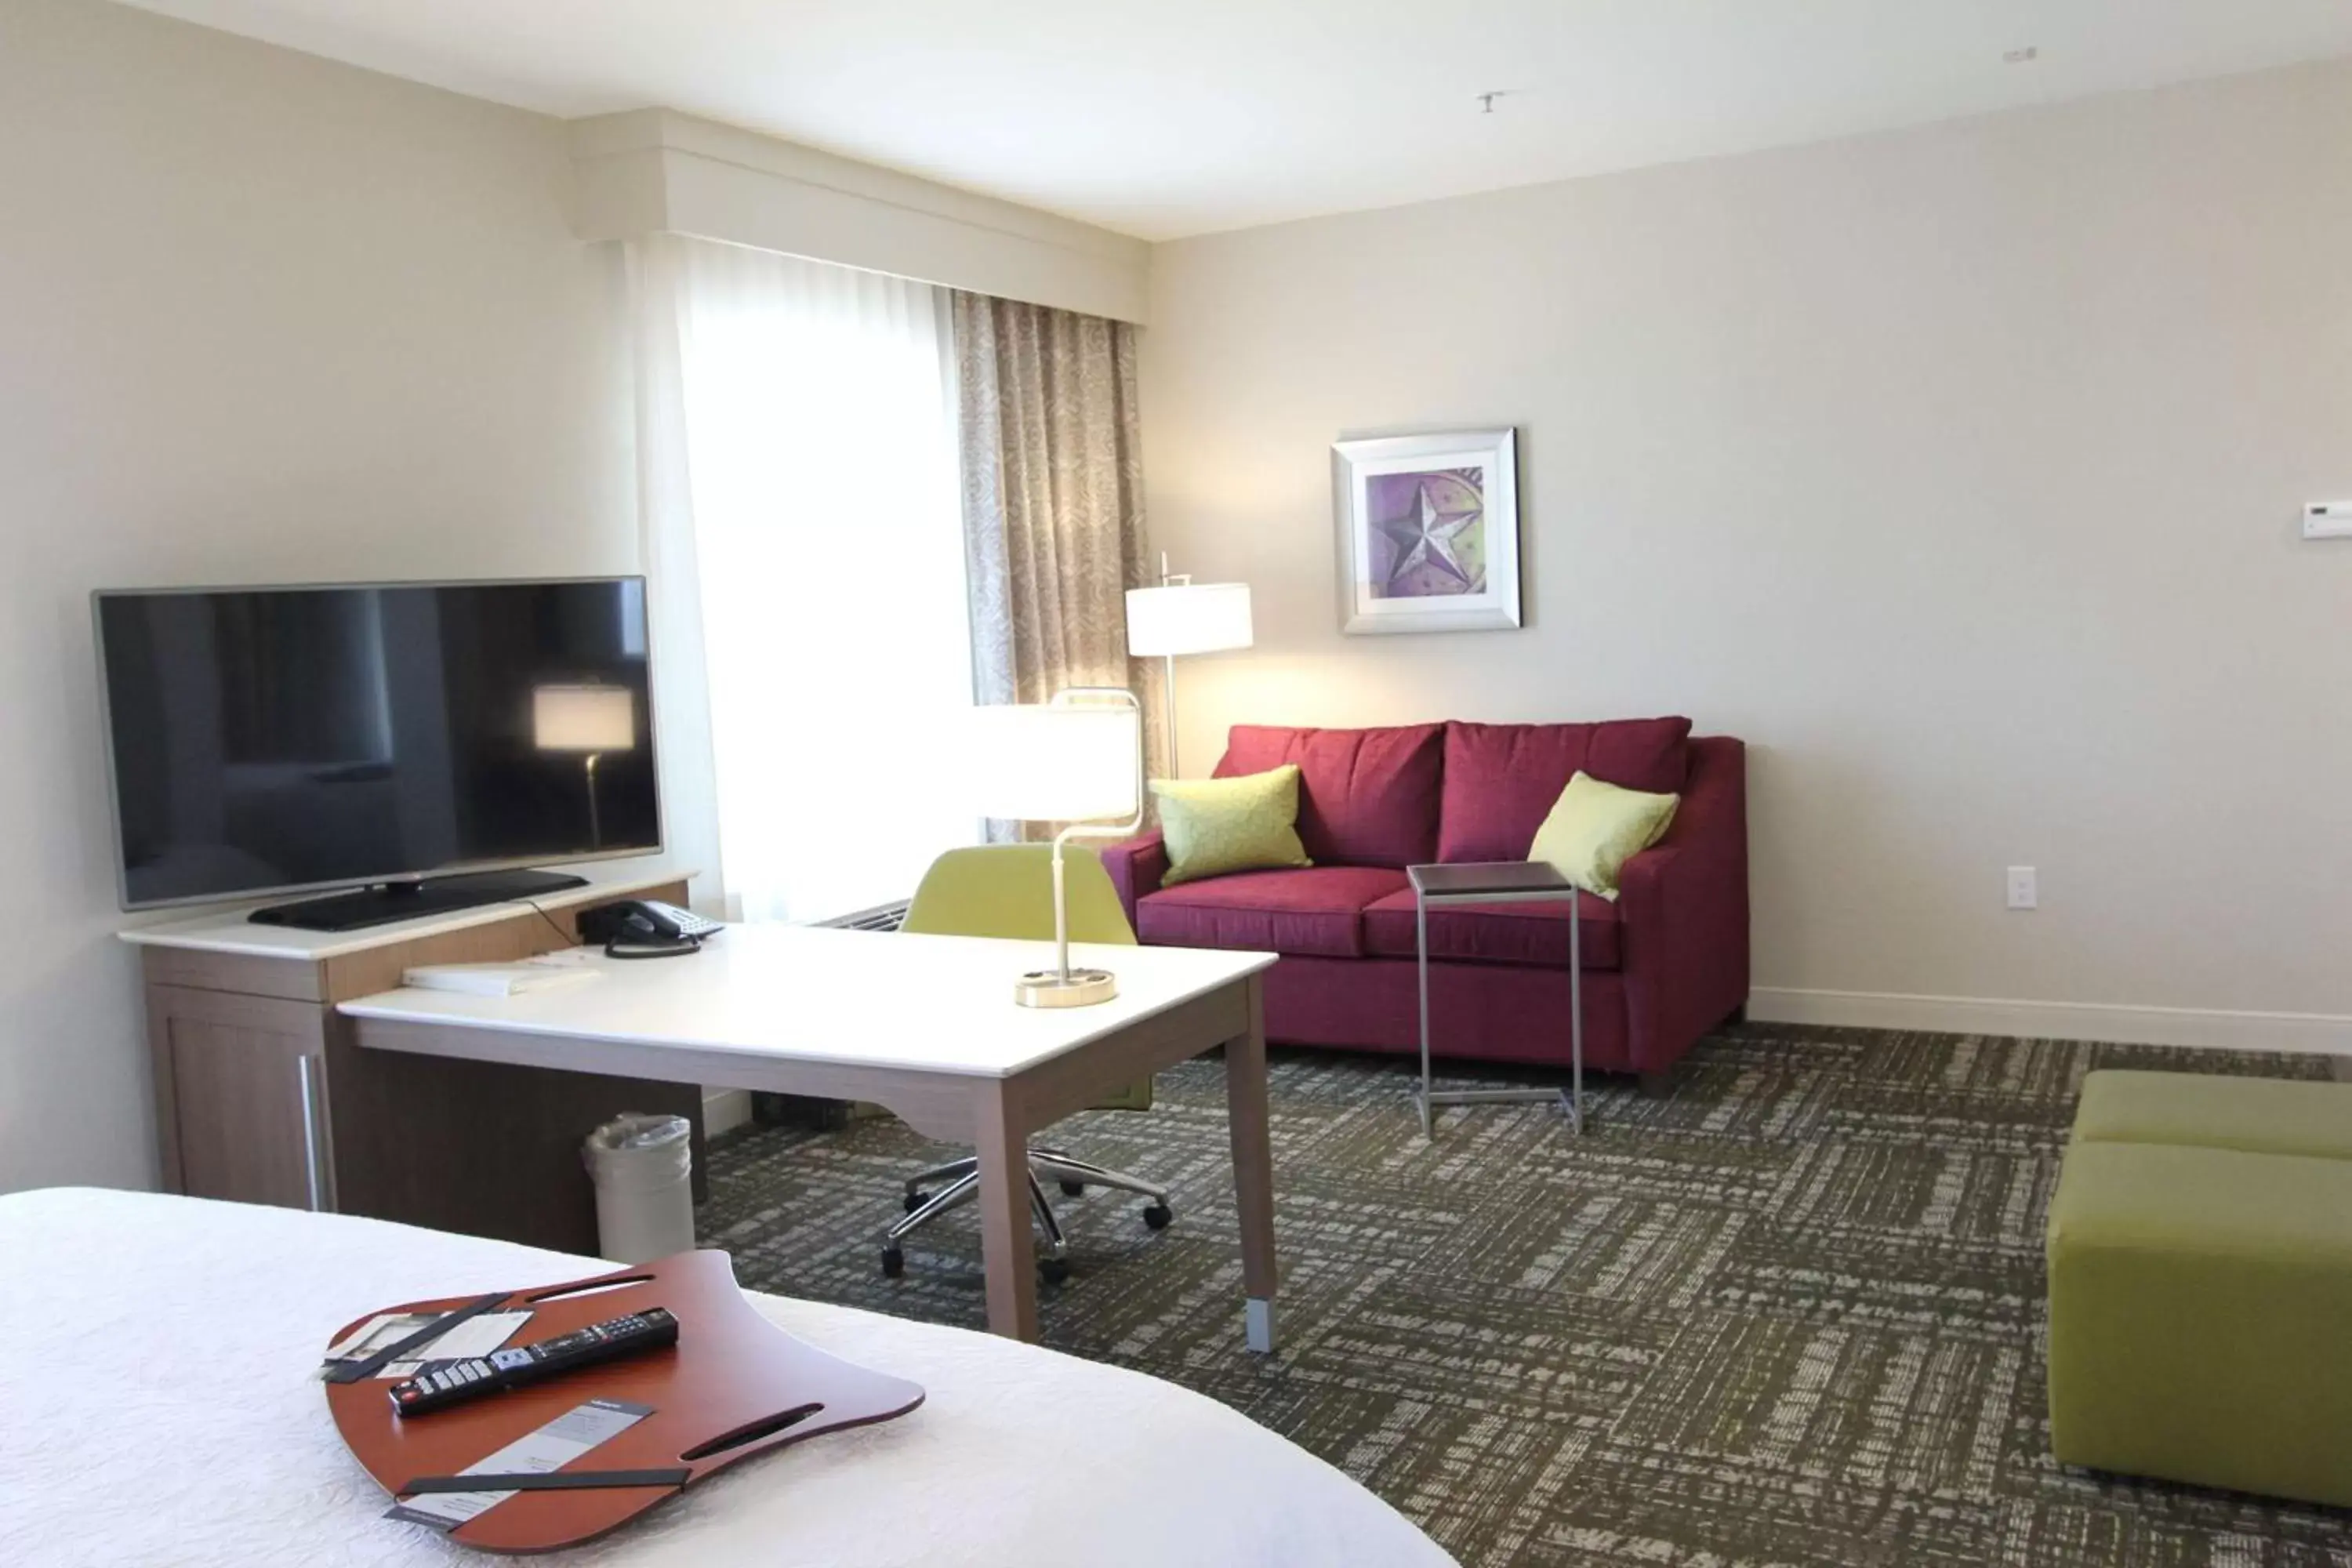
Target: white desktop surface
{"x":228,"y":930}
{"x":849,"y":998}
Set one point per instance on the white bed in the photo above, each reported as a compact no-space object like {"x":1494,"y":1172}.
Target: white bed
{"x":156,"y":1408}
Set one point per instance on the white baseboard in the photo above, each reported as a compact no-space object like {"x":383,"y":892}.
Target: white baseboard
{"x":2328,"y":1034}
{"x":725,"y":1110}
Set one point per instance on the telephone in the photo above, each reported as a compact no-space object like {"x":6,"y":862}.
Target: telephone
{"x":645,"y":928}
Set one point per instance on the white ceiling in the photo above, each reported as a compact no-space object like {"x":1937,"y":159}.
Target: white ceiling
{"x":1164,"y":118}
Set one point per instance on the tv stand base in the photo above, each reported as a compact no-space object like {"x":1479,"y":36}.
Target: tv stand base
{"x":414,"y":900}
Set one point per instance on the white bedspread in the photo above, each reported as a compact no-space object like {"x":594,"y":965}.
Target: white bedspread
{"x":156,"y":1408}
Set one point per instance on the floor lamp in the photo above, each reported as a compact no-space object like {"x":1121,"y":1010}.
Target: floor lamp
{"x":589,"y":718}
{"x":1077,"y":761}
{"x":1182,"y":616}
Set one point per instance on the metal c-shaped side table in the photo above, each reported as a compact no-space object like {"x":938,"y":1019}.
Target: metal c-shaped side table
{"x":1500,"y":882}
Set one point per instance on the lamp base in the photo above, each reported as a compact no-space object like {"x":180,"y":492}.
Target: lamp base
{"x":1051,"y":988}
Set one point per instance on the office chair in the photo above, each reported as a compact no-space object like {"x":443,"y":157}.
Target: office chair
{"x":1007,"y":891}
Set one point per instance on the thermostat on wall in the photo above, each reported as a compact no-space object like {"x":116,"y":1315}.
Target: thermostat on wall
{"x":2327,"y":520}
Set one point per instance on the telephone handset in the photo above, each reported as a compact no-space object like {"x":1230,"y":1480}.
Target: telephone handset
{"x":645,"y":928}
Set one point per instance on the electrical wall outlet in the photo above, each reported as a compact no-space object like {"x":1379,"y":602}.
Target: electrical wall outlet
{"x":2022,"y":894}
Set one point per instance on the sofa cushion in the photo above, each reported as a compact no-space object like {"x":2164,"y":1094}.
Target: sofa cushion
{"x":1320,"y":910}
{"x":1500,"y":779}
{"x":1366,"y":797}
{"x":1596,"y":827}
{"x":2216,"y":1110}
{"x":1216,"y":827}
{"x":1532,"y":935}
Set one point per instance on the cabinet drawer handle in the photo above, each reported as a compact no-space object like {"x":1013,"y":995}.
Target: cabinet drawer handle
{"x":310,"y":1135}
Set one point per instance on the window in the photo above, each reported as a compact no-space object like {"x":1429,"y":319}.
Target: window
{"x":803,"y":430}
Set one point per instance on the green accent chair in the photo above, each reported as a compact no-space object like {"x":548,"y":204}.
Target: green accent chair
{"x":2201,"y":1284}
{"x":1007,"y":891}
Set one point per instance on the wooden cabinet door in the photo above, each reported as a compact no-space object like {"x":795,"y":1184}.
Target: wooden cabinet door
{"x":241,"y":1081}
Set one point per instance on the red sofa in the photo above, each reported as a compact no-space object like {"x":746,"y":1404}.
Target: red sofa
{"x":1663,"y":965}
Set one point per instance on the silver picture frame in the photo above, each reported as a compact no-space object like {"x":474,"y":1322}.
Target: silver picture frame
{"x":1428,"y":532}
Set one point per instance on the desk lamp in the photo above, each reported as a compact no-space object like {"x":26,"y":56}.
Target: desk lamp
{"x":1180,"y":616}
{"x":1075,"y":761}
{"x":591,"y":719}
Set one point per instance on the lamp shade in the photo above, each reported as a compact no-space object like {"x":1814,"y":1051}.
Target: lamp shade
{"x":584,"y":719}
{"x":1061,"y":763}
{"x":1188,"y":617}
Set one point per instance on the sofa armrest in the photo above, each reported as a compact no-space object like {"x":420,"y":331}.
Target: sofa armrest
{"x":1685,"y":912}
{"x":1136,"y":866}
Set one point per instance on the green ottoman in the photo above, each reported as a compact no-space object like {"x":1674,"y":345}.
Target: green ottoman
{"x":2201,"y":1298}
{"x":2259,"y":1115}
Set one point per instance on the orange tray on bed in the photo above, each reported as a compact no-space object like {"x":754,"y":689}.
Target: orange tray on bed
{"x":733,"y":1387}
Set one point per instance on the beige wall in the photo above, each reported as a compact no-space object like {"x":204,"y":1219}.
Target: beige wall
{"x":262,"y":318}
{"x":1958,"y":470}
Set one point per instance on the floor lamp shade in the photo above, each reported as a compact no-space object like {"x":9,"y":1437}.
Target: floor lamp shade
{"x":1188,"y":617}
{"x":584,"y":719}
{"x":1180,"y":616}
{"x":590,"y":720}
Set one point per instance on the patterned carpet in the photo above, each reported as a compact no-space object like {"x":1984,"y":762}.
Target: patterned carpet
{"x":1790,"y":1314}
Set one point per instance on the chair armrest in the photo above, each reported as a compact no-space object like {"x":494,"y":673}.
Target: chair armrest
{"x":1136,"y":866}
{"x":1683,"y":913}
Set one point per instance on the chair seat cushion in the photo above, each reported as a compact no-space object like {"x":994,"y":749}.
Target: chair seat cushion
{"x":2213,"y":1110}
{"x":1317,"y":910}
{"x":1533,"y":935}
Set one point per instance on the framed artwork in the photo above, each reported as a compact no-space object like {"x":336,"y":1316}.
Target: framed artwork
{"x":1429,"y":532}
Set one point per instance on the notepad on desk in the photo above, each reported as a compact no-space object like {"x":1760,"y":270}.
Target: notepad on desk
{"x":499,"y":979}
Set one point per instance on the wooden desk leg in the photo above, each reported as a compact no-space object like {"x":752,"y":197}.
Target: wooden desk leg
{"x":1245,"y":1109}
{"x":1008,"y":1250}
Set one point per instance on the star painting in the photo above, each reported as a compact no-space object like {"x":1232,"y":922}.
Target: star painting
{"x":1429,"y":532}
{"x":1428,"y":537}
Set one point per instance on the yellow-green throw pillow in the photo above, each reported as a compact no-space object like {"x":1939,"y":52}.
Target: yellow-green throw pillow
{"x":1595,"y":828}
{"x":1215,"y":826}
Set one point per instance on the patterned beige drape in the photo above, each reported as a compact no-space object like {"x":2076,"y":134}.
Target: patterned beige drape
{"x":1052,"y":503}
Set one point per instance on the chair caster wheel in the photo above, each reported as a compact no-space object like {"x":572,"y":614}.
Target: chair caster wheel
{"x":1054,"y":1269}
{"x":893,"y":1262}
{"x":1073,"y":1189}
{"x":916,"y":1201}
{"x":1157,"y":1215}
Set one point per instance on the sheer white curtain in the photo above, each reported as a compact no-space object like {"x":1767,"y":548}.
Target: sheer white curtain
{"x":798,"y":471}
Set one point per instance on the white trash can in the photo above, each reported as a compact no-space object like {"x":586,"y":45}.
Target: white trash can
{"x":643,"y":1167}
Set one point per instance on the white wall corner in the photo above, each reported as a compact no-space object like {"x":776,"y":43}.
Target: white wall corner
{"x":2325,"y":1034}
{"x":654,"y":170}
{"x":618,"y":195}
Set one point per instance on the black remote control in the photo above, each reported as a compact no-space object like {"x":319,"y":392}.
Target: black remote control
{"x":651,"y":1329}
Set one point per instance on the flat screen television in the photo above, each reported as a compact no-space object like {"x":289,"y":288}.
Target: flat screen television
{"x":269,"y":740}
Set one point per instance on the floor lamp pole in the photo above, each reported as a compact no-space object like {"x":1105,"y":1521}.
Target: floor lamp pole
{"x":595,"y":828}
{"x":1168,"y":698}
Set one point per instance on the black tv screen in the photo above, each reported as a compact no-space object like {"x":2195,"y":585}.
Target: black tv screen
{"x":269,"y":739}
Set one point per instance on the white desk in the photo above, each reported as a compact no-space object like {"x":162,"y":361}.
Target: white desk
{"x":925,"y":1025}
